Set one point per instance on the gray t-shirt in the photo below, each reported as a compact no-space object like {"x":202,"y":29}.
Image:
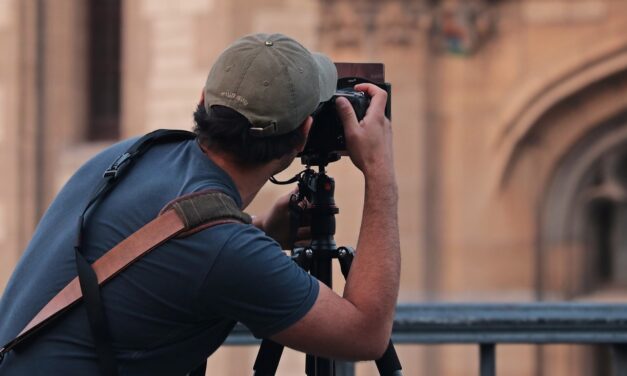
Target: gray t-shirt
{"x":171,"y":309}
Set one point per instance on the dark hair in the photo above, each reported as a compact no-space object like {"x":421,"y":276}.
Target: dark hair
{"x":226,"y":130}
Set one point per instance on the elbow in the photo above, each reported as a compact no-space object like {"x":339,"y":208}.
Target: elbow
{"x":383,"y":346}
{"x":374,"y":346}
{"x":374,"y":351}
{"x":376,"y":338}
{"x":380,"y":347}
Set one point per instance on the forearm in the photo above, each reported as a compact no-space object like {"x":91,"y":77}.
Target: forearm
{"x":373,"y":283}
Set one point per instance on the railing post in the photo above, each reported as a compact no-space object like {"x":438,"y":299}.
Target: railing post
{"x":619,"y":353}
{"x":343,"y":368}
{"x":487,"y":359}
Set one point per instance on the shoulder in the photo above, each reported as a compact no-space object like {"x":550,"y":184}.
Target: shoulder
{"x":233,"y":242}
{"x":243,"y":240}
{"x":246,"y":251}
{"x":254,"y":282}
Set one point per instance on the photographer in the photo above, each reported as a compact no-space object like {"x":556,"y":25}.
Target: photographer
{"x":174,"y":307}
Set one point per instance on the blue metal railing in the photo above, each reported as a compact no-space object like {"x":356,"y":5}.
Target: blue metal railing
{"x":488,"y":325}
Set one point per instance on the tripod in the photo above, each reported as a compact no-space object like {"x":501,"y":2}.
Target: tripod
{"x":318,"y":188}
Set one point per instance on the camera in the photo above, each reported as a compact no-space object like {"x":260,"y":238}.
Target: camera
{"x":326,"y":142}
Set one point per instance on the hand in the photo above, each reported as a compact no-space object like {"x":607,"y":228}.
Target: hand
{"x":369,"y":141}
{"x":277,"y":223}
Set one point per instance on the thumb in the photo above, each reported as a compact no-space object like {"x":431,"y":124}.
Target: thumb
{"x":347,"y":114}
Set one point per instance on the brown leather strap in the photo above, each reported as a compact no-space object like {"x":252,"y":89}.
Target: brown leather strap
{"x":181,"y":217}
{"x":144,"y":240}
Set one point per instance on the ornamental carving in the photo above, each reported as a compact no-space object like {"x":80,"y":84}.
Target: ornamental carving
{"x":462,"y":27}
{"x":458,"y":27}
{"x":351,"y":23}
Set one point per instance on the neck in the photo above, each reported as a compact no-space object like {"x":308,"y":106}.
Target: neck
{"x":248,"y":180}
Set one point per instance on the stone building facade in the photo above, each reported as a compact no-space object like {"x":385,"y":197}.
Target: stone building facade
{"x":510,"y":121}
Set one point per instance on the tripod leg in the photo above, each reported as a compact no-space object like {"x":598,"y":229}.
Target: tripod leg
{"x":315,"y":366}
{"x":310,"y":365}
{"x":268,"y":358}
{"x":269,"y":353}
{"x":388,"y":364}
{"x":344,"y":368}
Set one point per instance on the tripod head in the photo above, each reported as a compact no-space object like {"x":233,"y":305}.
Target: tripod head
{"x":318,"y":188}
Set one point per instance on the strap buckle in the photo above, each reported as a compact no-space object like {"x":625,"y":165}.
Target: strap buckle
{"x":114,"y":169}
{"x":266,"y":131}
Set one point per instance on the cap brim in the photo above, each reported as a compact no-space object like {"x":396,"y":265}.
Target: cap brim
{"x":327,"y":76}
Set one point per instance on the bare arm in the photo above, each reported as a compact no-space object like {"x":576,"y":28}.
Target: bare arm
{"x":358,"y":325}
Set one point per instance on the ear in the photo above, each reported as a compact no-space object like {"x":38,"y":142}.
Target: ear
{"x":305,"y":128}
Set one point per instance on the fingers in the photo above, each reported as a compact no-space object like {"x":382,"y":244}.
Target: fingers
{"x":347,"y":115}
{"x":368,"y":142}
{"x":378,"y":101}
{"x":303,"y":237}
{"x":378,"y":96}
{"x":304,"y":233}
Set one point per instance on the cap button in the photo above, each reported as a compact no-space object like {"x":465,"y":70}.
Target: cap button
{"x":269,"y":43}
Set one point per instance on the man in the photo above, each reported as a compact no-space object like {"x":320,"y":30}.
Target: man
{"x":174,"y":307}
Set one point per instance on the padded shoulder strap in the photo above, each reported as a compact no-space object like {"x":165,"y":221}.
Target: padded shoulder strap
{"x":200,"y":210}
{"x":181,"y":217}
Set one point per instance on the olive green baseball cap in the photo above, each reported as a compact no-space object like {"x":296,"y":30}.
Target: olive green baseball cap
{"x":272,"y":80}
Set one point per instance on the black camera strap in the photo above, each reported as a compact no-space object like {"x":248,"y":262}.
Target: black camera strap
{"x":86,"y":275}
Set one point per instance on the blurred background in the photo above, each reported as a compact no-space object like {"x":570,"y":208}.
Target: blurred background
{"x":510,"y":121}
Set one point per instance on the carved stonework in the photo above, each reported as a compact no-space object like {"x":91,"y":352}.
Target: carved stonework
{"x":458,"y":27}
{"x":462,"y":27}
{"x":341,"y":23}
{"x":349,"y":23}
{"x":397,"y":22}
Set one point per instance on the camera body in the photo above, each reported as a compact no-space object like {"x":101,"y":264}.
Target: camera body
{"x":326,"y":142}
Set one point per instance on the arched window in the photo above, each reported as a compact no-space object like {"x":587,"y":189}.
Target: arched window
{"x":606,"y":221}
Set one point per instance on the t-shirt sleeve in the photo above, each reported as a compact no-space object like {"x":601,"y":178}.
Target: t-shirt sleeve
{"x":254,"y":282}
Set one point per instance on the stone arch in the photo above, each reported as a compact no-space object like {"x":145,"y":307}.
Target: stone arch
{"x":545,"y":91}
{"x":548,"y":156}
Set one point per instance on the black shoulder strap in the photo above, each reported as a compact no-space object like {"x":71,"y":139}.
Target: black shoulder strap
{"x":86,"y":275}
